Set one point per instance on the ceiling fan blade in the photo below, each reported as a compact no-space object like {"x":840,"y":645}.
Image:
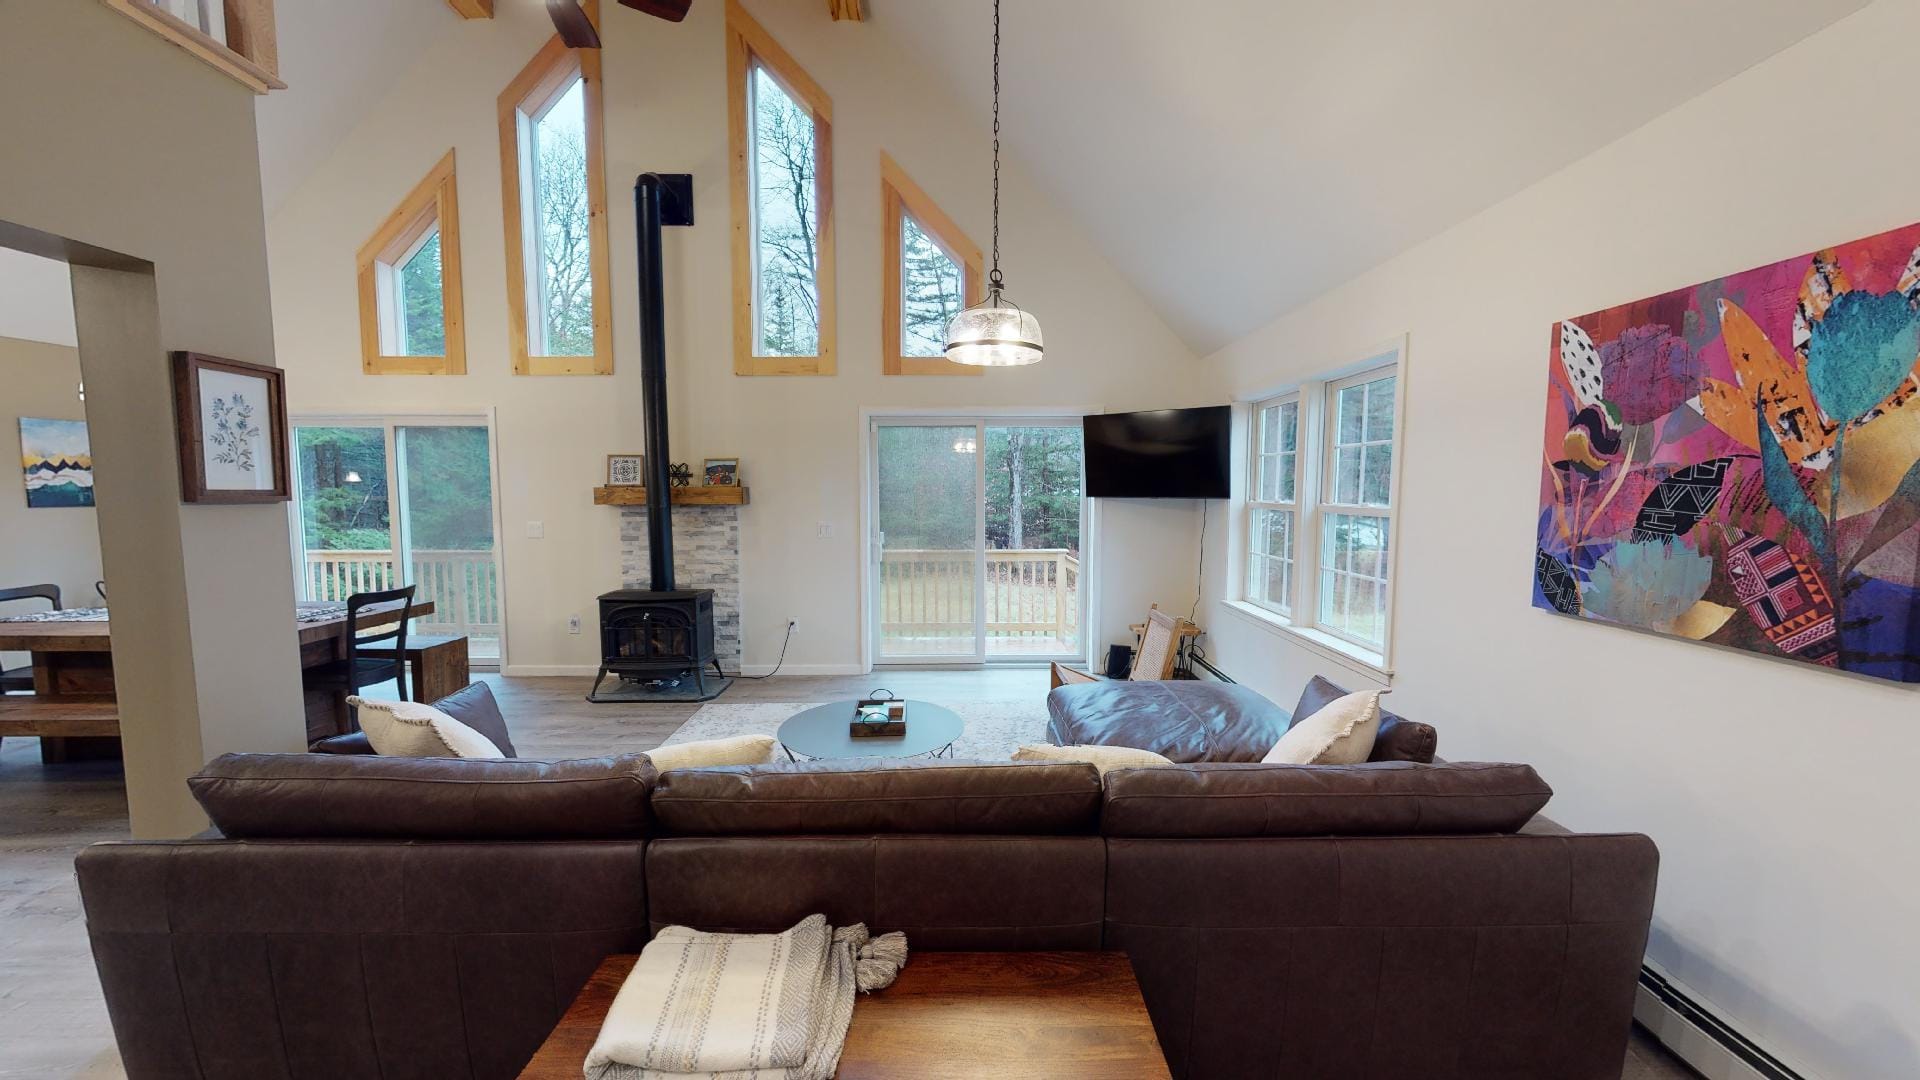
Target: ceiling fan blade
{"x":574,"y":26}
{"x":670,"y":10}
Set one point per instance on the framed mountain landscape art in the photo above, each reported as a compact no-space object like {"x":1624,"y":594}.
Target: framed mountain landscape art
{"x":1739,"y":462}
{"x":57,"y":461}
{"x":231,"y":419}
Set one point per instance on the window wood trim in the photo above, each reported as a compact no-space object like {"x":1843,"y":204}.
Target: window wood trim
{"x":250,"y":55}
{"x":552,"y":68}
{"x":901,"y":197}
{"x":433,"y":200}
{"x":748,"y":42}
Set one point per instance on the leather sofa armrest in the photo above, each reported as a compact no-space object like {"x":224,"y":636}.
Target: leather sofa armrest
{"x":353,"y":742}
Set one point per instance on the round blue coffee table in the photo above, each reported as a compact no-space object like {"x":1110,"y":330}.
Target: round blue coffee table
{"x":821,"y":732}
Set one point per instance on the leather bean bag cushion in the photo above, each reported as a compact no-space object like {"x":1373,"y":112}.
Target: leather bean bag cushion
{"x":1183,"y":720}
{"x":1398,"y":739}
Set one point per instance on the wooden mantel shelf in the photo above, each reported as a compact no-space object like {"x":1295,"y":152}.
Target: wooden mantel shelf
{"x":704,"y":495}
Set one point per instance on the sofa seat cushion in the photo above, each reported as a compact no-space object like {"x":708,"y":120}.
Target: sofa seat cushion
{"x":1183,"y":720}
{"x":1393,"y":798}
{"x":883,"y":796}
{"x":253,"y":796}
{"x":1397,"y":738}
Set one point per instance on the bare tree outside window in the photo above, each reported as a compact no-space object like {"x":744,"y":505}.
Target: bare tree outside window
{"x":932,"y":291}
{"x":786,"y":241}
{"x":563,"y":223}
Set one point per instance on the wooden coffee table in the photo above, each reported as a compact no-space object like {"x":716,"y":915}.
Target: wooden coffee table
{"x":949,"y":1015}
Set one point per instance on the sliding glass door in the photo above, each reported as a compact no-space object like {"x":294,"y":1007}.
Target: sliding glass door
{"x":977,"y":540}
{"x":383,"y":502}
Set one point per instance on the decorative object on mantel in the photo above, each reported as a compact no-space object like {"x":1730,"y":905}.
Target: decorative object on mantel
{"x":723,"y":471}
{"x":681,"y":474}
{"x":1739,"y":462}
{"x":58,"y":462}
{"x":700,"y":495}
{"x":626,"y":470}
{"x":995,"y":332}
{"x":231,"y":420}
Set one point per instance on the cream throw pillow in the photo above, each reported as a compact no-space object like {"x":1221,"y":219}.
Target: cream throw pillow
{"x":1103,"y":758}
{"x":410,"y":729}
{"x":739,"y":750}
{"x":1341,"y":733}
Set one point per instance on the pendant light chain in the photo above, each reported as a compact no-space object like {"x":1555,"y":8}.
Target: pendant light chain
{"x":995,"y":331}
{"x":994,"y":281}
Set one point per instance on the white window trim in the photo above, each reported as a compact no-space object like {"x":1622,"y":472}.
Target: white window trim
{"x":1312,"y":466}
{"x":1284,"y":609}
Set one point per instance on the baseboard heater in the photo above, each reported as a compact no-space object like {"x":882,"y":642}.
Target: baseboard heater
{"x":1700,"y":1038}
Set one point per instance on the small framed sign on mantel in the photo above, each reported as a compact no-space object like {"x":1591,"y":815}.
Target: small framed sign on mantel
{"x":231,"y":420}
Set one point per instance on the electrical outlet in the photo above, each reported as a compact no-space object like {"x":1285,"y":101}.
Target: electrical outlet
{"x":573,"y":624}
{"x":793,"y":626}
{"x":824,"y":530}
{"x":536,"y":530}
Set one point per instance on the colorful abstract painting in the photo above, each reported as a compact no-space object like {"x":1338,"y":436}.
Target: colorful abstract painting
{"x":1739,"y":462}
{"x":57,"y":461}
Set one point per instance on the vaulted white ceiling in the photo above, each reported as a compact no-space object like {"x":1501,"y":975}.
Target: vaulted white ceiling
{"x":338,"y":59}
{"x":1237,"y":157}
{"x":1232,"y":157}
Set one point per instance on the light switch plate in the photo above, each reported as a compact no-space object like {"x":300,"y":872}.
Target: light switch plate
{"x":536,"y":530}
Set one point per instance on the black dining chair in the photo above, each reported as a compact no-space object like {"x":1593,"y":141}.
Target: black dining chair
{"x":20,"y":680}
{"x":363,"y":666}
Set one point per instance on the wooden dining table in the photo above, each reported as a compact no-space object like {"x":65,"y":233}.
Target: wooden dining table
{"x":73,"y":709}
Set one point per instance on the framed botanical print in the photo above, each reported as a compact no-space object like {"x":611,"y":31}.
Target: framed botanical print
{"x":231,"y":418}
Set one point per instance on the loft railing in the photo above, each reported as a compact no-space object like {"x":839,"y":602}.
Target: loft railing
{"x":464,"y":586}
{"x":1031,"y":592}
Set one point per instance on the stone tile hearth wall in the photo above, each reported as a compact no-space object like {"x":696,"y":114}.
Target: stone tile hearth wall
{"x":706,"y":555}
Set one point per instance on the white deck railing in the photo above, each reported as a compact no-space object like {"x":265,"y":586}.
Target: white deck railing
{"x":464,"y":586}
{"x":1030,"y":592}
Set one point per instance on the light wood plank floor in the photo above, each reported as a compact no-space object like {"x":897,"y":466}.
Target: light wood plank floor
{"x":53,"y":1023}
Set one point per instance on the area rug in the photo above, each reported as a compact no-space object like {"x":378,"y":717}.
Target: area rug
{"x":994,"y":729}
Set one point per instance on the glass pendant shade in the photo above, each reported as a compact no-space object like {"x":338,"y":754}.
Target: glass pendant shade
{"x":995,"y":333}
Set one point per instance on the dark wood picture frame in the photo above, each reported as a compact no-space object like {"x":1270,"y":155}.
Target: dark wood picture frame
{"x":192,"y":437}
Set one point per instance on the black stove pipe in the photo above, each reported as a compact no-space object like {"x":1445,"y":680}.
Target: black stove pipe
{"x":657,"y":200}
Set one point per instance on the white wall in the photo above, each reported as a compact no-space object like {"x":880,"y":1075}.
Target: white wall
{"x":1781,"y":797}
{"x":57,"y":545}
{"x":798,"y":438}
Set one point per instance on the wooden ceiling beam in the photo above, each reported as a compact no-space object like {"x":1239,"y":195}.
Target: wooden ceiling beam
{"x":472,"y":9}
{"x":848,"y":10}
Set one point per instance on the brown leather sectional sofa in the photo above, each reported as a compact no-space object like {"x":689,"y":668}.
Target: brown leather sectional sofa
{"x":396,"y":918}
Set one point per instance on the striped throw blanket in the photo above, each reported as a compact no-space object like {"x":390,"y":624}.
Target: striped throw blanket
{"x":742,"y":1006}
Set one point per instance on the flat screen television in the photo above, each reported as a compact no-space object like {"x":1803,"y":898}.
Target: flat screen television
{"x":1162,"y":454}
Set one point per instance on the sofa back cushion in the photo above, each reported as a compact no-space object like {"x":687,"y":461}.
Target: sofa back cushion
{"x":883,"y":796}
{"x":1377,"y":799}
{"x":1183,"y":720}
{"x":372,"y":797}
{"x":1398,"y":738}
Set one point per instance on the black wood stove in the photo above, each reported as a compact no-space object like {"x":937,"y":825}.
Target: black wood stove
{"x":659,"y":641}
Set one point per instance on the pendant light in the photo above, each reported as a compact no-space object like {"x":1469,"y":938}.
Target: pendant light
{"x":995,"y":332}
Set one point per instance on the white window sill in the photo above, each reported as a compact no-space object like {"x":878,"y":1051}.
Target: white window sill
{"x":1341,"y":651}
